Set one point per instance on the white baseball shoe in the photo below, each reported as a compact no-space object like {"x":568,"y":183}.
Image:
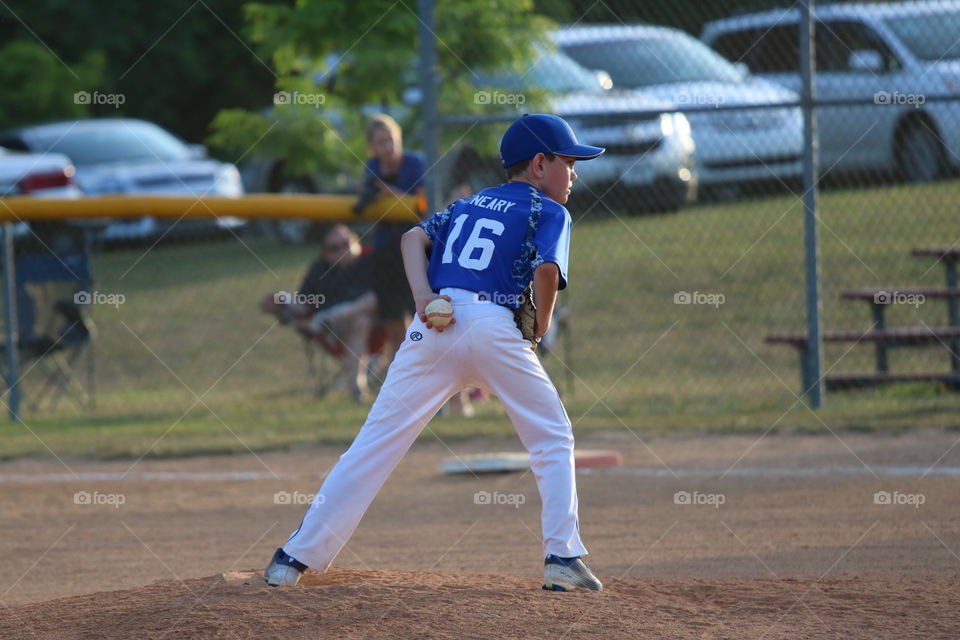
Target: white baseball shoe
{"x":283,"y":570}
{"x":568,"y":574}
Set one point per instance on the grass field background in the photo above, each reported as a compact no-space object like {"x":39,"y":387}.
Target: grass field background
{"x":188,"y":364}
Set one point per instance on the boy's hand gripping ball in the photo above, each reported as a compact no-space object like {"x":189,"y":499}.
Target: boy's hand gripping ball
{"x":439,"y":313}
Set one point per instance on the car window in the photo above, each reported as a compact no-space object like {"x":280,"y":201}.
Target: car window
{"x":836,"y":40}
{"x":15,"y":144}
{"x":777,"y":51}
{"x":736,"y":46}
{"x":651,"y":61}
{"x":934,"y":36}
{"x":119,"y":141}
{"x":552,"y":70}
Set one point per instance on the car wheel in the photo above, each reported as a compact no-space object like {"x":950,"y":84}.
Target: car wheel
{"x":921,"y":155}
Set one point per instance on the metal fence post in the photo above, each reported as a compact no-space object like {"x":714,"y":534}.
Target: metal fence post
{"x":11,"y":330}
{"x":428,"y":84}
{"x":813,"y":386}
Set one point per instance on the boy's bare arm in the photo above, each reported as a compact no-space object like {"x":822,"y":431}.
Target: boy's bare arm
{"x":546,"y":280}
{"x":413,"y":246}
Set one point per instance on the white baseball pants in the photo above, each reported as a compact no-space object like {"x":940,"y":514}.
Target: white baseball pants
{"x":483,"y":349}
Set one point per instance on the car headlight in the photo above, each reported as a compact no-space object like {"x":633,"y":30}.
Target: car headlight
{"x":671,"y":123}
{"x":228,"y":181}
{"x":666,"y":124}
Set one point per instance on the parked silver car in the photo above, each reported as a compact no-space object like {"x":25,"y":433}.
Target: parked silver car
{"x":757,"y":142}
{"x":127,"y":156}
{"x":39,"y":175}
{"x":889,"y":57}
{"x":36,"y":174}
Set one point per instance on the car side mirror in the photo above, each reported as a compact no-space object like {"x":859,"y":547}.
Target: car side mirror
{"x":743,"y":68}
{"x":866,"y":60}
{"x":199,"y":152}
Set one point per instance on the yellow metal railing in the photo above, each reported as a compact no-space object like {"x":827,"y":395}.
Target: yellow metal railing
{"x":331,"y":208}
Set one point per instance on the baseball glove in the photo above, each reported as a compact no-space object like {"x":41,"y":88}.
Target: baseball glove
{"x":526,"y":318}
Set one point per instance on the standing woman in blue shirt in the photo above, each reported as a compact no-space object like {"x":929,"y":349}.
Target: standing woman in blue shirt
{"x":390,"y":171}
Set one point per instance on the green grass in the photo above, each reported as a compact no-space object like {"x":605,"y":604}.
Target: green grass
{"x":190,"y":325}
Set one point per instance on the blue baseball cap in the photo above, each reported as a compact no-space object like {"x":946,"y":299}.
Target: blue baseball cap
{"x":535,"y":133}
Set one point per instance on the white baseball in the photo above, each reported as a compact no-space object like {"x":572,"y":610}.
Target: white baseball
{"x":439,"y":313}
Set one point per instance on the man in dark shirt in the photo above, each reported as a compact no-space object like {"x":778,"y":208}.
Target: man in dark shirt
{"x":339,"y":285}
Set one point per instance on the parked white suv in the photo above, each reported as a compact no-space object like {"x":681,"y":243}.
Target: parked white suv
{"x":892,"y":58}
{"x":649,"y":149}
{"x":760,"y":141}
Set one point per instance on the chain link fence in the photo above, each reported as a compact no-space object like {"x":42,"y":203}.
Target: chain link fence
{"x":686,"y":303}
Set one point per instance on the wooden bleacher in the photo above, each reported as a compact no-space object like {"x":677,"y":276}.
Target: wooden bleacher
{"x":884,"y":338}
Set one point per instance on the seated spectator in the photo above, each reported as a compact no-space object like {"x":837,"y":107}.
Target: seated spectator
{"x":336,"y":297}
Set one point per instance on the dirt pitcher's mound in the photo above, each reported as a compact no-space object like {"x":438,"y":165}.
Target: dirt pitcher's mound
{"x":346,"y":603}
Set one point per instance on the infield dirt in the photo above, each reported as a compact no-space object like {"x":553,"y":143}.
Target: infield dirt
{"x":727,"y":537}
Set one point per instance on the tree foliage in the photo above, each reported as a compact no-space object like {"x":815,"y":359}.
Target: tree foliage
{"x":175,"y":62}
{"x":351,"y":57}
{"x":44,"y":88}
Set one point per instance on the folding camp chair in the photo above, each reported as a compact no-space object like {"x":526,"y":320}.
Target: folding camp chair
{"x":56,"y":355}
{"x":325,"y":377}
{"x":56,"y":333}
{"x":324,"y":372}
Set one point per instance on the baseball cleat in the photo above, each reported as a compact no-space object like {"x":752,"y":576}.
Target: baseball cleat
{"x":568,"y":574}
{"x":283,"y":570}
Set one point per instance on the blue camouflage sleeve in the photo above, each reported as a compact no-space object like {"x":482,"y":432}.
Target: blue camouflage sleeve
{"x":436,"y":225}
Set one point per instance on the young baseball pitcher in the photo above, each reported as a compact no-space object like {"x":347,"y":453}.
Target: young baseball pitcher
{"x":484,"y":251}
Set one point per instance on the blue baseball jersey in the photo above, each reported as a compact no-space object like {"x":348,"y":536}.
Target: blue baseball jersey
{"x":485,"y":243}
